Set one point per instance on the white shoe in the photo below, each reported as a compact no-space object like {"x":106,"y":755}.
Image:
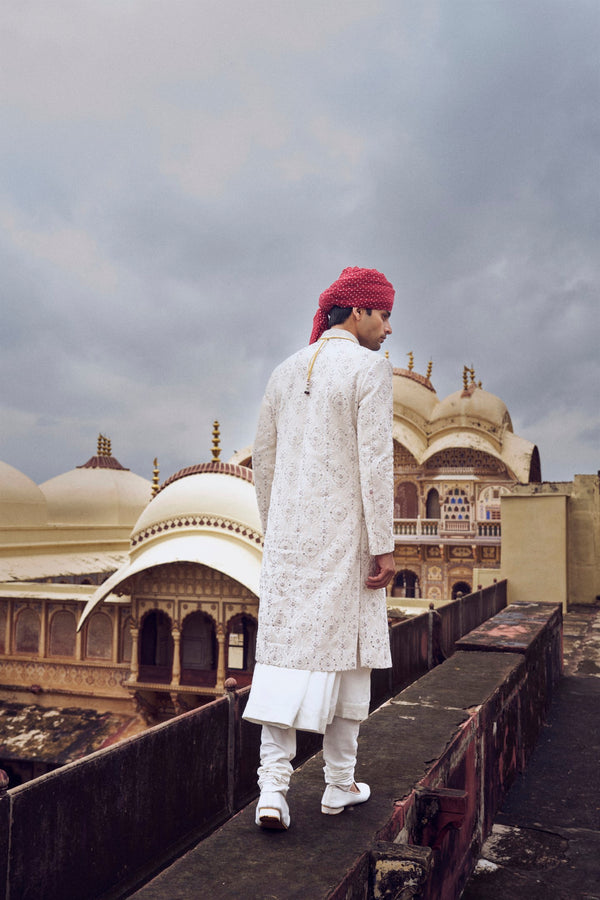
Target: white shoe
{"x":336,"y":798}
{"x":272,"y":811}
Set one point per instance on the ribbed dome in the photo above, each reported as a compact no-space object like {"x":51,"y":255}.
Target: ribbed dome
{"x":21,"y":500}
{"x":472,"y":407}
{"x":101,"y":492}
{"x":197,"y":497}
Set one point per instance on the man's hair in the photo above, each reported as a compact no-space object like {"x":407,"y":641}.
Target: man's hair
{"x":338,"y":315}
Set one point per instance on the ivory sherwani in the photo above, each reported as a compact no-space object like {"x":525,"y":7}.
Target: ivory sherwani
{"x":323,"y":470}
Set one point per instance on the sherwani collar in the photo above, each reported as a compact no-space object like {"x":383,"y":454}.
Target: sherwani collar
{"x":338,"y":333}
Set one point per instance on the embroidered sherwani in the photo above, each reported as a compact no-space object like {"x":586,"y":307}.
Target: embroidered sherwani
{"x":323,"y":470}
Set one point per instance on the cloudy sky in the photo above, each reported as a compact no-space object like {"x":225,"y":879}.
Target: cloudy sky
{"x":181,"y":179}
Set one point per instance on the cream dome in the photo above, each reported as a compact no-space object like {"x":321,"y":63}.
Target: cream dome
{"x":21,"y":500}
{"x":101,"y":492}
{"x":201,"y":493}
{"x":470,"y":419}
{"x":474,"y":408}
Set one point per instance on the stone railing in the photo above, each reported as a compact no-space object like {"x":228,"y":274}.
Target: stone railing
{"x":489,"y":529}
{"x":416,"y":527}
{"x":457,"y":526}
{"x":445,"y":528}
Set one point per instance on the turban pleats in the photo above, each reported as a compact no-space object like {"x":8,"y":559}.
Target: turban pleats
{"x":356,"y":287}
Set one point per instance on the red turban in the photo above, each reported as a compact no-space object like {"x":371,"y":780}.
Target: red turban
{"x":363,"y":288}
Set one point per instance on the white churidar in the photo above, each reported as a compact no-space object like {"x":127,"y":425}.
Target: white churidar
{"x":278,"y":748}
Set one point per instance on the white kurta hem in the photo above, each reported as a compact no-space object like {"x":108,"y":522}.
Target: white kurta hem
{"x":308,"y":701}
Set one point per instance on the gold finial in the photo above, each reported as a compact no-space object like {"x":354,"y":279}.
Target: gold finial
{"x":429,"y":368}
{"x":216,"y":449}
{"x":155,"y":478}
{"x":387,"y":354}
{"x":103,"y":446}
{"x":108,"y":447}
{"x":411,"y":361}
{"x":472,"y":374}
{"x":466,"y":377}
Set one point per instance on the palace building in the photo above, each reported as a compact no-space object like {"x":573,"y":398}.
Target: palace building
{"x":454,"y":459}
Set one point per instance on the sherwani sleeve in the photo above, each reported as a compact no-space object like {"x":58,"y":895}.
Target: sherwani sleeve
{"x":263,"y":457}
{"x":376,"y":456}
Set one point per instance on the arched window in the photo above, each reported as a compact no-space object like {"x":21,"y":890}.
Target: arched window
{"x":433,"y":505}
{"x":535,"y":468}
{"x":406,"y":504}
{"x":406,"y":584}
{"x":62,"y":634}
{"x":456,"y":506}
{"x":156,"y":648}
{"x":241,"y":643}
{"x":460,"y":589}
{"x":27,"y":632}
{"x":99,"y":637}
{"x":198,"y":650}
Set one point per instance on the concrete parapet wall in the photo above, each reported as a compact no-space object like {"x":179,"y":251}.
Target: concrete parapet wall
{"x":423,"y":641}
{"x":85,"y":827}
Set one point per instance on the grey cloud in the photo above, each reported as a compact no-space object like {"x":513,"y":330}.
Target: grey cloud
{"x":183,"y":198}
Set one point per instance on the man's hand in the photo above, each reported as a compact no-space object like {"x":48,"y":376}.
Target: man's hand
{"x":383,"y":571}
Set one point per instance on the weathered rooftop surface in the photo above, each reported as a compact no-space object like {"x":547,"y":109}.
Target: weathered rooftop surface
{"x":545,"y":842}
{"x":509,"y":632}
{"x":56,"y":736}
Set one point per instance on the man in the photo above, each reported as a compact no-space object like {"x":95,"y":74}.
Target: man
{"x":323,"y":470}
